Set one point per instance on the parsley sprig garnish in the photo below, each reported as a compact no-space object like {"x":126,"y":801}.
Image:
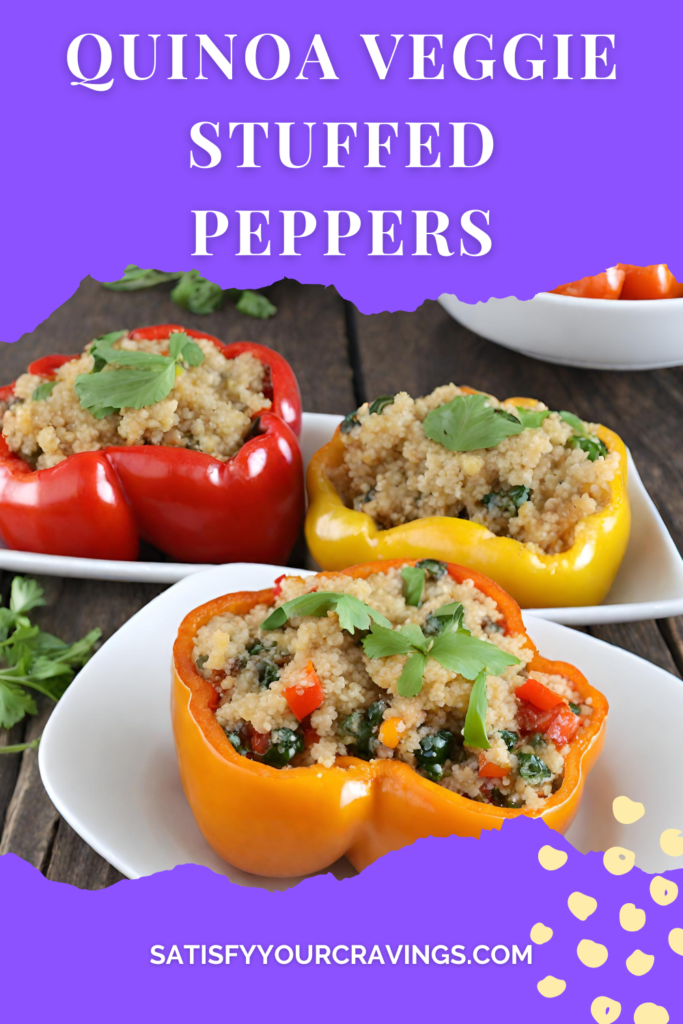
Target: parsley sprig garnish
{"x":454,"y":648}
{"x":469,"y":422}
{"x":34,"y":660}
{"x":352,"y":612}
{"x":138,"y":378}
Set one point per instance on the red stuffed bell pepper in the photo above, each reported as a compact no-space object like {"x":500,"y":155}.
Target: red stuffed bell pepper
{"x":190,"y":505}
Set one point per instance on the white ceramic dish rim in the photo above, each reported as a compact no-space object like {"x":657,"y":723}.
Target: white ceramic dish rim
{"x":594,"y":828}
{"x":578,"y":302}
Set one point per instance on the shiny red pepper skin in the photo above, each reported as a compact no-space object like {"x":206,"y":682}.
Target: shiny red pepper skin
{"x":186,"y":503}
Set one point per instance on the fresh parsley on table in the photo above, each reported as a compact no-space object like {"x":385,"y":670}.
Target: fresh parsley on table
{"x":34,"y":661}
{"x":194,"y":292}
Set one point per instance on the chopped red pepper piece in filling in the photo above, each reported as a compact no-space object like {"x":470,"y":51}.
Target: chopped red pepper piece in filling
{"x":260,"y":741}
{"x":489,"y":770}
{"x":542,"y":697}
{"x":306,"y":696}
{"x":558,"y":724}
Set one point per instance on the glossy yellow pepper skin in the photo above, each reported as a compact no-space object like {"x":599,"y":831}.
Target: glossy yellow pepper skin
{"x":285,"y":823}
{"x":338,"y":536}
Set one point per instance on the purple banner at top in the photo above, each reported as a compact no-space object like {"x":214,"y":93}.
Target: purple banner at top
{"x":551,"y":131}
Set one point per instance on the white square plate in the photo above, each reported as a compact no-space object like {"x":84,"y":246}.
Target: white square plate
{"x":649,"y":584}
{"x":107,"y":757}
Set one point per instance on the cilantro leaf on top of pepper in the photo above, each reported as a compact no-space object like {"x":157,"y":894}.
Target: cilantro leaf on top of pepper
{"x":138,"y":378}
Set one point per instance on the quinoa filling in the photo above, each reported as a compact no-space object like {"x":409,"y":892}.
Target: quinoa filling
{"x":303,"y":681}
{"x":533,"y":485}
{"x":210,"y":406}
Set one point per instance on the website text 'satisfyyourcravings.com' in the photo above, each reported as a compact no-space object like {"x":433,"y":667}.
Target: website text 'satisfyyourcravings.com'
{"x":342,"y":955}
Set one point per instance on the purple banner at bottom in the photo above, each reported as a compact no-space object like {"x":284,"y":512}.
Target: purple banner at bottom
{"x":515,"y":924}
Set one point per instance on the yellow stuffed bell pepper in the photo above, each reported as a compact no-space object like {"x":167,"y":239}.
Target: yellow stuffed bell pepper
{"x":339,"y":536}
{"x":300,"y":820}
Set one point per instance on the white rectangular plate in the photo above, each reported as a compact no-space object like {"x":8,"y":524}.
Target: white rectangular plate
{"x":649,"y":584}
{"x":107,"y":757}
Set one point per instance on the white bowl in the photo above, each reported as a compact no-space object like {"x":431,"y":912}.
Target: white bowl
{"x":598,"y":334}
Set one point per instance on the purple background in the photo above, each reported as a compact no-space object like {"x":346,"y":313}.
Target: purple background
{"x":90,"y":951}
{"x":584,"y":174}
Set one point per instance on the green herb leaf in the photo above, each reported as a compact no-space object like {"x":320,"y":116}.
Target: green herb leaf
{"x":123,"y":357}
{"x":508,"y":502}
{"x":384,"y":642}
{"x":25,"y":595}
{"x":533,"y":769}
{"x":285,"y":745}
{"x":532,"y":418}
{"x":196,"y":294}
{"x":43,"y":391}
{"x":458,"y":651}
{"x":468,"y":423}
{"x":435,"y":568}
{"x":19,"y":748}
{"x":592,"y":446}
{"x":509,"y":738}
{"x":254,"y":304}
{"x":409,"y":682}
{"x":413,"y":584}
{"x":433,"y":752}
{"x":14,"y":704}
{"x":101,"y":346}
{"x":578,"y":425}
{"x":353,"y":613}
{"x":349,"y":422}
{"x":380,"y":404}
{"x":414,"y":634}
{"x":134,"y":279}
{"x":35,"y":660}
{"x":182,"y":347}
{"x":475,"y":721}
{"x":453,"y":611}
{"x":575,"y":708}
{"x":104,"y":393}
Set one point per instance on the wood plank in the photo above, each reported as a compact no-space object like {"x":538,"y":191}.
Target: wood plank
{"x":9,"y":768}
{"x":73,"y":861}
{"x":308,"y":329}
{"x":641,"y":638}
{"x":672,"y":632}
{"x":31,"y":819}
{"x":419,"y":350}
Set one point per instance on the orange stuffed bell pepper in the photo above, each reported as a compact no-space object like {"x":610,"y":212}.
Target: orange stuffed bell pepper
{"x":121,"y":483}
{"x":580,"y":574}
{"x":368,"y":760}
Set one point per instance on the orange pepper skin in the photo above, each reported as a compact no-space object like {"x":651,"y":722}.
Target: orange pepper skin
{"x":653,"y":282}
{"x":607,"y":285}
{"x":338,"y":537}
{"x":289,"y":823}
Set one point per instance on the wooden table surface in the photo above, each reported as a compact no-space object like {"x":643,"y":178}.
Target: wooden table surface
{"x":341,"y":358}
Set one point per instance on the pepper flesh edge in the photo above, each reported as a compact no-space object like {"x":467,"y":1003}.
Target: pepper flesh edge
{"x":338,"y":536}
{"x":292,"y":822}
